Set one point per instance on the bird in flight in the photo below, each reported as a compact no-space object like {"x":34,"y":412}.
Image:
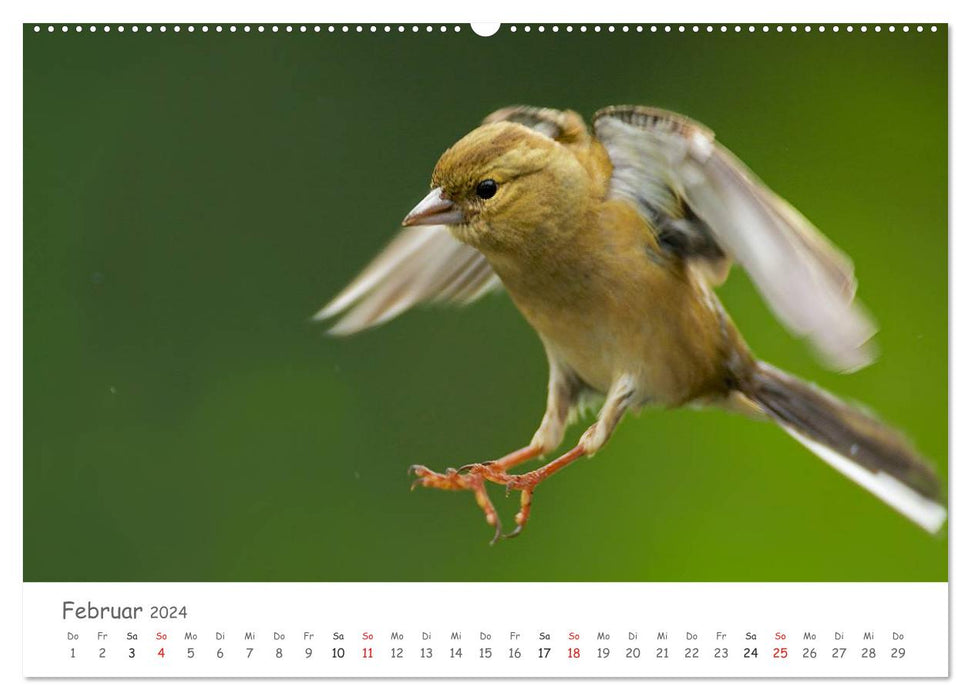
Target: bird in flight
{"x":610,"y":243}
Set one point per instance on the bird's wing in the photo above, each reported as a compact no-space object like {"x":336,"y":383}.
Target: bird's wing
{"x":421,"y":264}
{"x":661,"y":158}
{"x":549,"y":122}
{"x":564,"y":126}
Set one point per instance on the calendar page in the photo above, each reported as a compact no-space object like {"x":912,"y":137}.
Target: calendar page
{"x":519,"y":350}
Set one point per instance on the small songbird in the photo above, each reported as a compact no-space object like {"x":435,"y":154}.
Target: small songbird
{"x":609,"y":244}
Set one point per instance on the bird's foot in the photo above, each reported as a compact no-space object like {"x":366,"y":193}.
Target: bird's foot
{"x":467,"y":478}
{"x":527,"y":483}
{"x":473,"y":477}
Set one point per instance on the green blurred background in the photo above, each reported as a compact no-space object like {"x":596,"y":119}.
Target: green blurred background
{"x":192,"y":199}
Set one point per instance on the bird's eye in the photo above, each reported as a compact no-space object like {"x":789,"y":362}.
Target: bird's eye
{"x":486,"y":189}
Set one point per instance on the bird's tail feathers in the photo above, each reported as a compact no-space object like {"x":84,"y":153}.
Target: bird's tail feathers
{"x":853,"y":442}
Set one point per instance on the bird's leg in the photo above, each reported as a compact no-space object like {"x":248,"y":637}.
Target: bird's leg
{"x":563,"y":389}
{"x":618,"y":401}
{"x":507,"y":462}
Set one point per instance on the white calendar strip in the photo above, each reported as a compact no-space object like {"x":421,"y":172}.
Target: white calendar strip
{"x":486,"y":629}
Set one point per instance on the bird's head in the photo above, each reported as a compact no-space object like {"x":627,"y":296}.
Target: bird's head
{"x":499,"y":185}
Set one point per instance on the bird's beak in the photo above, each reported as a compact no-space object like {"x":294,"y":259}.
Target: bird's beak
{"x":434,"y":209}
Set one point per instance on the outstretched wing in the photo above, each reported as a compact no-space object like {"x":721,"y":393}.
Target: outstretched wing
{"x":670,"y":166}
{"x":421,"y":264}
{"x":425,"y":263}
{"x":560,"y":125}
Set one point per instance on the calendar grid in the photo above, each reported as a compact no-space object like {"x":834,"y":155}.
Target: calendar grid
{"x":486,"y":630}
